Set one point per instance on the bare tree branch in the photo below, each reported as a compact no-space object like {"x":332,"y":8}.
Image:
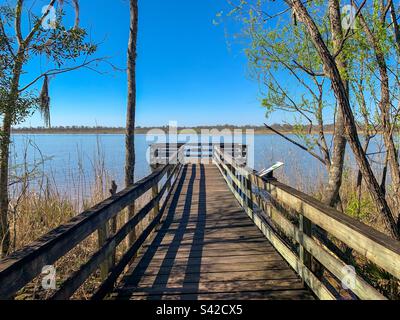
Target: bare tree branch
{"x":347,"y":34}
{"x":7,"y":41}
{"x":296,"y":143}
{"x":77,"y":19}
{"x":38,"y":24}
{"x":53,"y":72}
{"x":18,"y":14}
{"x":308,"y":71}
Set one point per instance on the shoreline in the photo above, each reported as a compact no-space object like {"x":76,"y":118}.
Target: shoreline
{"x":122,"y":132}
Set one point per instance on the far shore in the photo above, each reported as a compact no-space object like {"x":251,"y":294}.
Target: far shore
{"x":143,"y":131}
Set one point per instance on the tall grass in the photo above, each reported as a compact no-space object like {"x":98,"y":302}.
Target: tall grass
{"x":39,"y":205}
{"x":356,"y":202}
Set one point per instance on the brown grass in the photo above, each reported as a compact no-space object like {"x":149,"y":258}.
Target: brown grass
{"x":38,"y":206}
{"x":37,"y":210}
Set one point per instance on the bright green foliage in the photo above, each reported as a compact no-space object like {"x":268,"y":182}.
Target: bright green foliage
{"x":282,"y":58}
{"x":59,"y":47}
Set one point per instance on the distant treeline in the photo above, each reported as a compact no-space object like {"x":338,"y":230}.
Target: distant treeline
{"x":285,"y":128}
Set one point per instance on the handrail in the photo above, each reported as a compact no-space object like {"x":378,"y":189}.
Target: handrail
{"x":369,"y":243}
{"x":160,"y":152}
{"x":24,"y":265}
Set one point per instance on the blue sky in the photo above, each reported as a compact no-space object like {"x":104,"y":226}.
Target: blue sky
{"x":188,"y":69}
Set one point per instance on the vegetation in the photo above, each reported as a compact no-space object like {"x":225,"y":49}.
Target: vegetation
{"x":283,"y":128}
{"x":39,"y":204}
{"x":46,"y":38}
{"x":347,"y":78}
{"x":334,"y":65}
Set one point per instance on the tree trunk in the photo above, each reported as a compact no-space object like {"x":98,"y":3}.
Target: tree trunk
{"x":4,"y":156}
{"x":339,"y":89}
{"x":384,"y":107}
{"x":331,"y":194}
{"x":4,"y":200}
{"x":131,"y":108}
{"x":396,"y":29}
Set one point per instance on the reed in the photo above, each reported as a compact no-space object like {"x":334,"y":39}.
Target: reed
{"x":39,"y":205}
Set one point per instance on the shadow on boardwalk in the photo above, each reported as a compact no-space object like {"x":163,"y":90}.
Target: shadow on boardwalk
{"x":207,"y":248}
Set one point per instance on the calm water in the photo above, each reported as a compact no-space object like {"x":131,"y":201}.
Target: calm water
{"x":69,"y":159}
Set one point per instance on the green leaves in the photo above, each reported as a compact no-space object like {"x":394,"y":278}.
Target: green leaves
{"x":59,"y":45}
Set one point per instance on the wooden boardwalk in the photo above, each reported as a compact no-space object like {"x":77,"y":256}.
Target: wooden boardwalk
{"x":210,"y":232}
{"x":207,"y":248}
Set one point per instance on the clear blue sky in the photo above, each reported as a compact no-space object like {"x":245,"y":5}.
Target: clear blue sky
{"x":188,"y":69}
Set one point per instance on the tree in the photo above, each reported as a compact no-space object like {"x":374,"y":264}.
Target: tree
{"x":322,"y":56}
{"x":338,"y":85}
{"x":335,"y":172}
{"x":282,"y":54}
{"x":47,"y":38}
{"x":131,"y":109}
{"x":382,"y":47}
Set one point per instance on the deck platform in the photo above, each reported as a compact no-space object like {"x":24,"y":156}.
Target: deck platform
{"x":207,"y":248}
{"x":208,"y":231}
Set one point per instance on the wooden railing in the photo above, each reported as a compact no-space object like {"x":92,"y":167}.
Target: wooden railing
{"x":290,"y":219}
{"x":160,"y":153}
{"x":23,"y":266}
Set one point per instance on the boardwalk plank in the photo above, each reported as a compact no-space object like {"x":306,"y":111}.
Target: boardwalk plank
{"x":214,"y":287}
{"x":153,"y":277}
{"x":295,"y":294}
{"x":207,"y":248}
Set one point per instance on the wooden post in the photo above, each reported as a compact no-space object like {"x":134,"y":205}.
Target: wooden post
{"x":305,"y":228}
{"x":167,"y":153}
{"x":154,"y":192}
{"x":156,"y":154}
{"x":108,"y":229}
{"x":233,"y":170}
{"x":241,"y":186}
{"x":103,"y":234}
{"x":169,"y":172}
{"x":113,"y":225}
{"x":249,"y":192}
{"x":169,"y":185}
{"x":222,"y":158}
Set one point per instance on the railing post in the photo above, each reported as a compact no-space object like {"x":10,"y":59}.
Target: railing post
{"x":103,"y":234}
{"x":244,"y":153}
{"x":156,"y":154}
{"x":108,"y":229}
{"x":223,"y":159}
{"x":113,"y":223}
{"x":154,"y":192}
{"x":249,"y":192}
{"x":233,"y":170}
{"x":199,"y":152}
{"x":305,"y":228}
{"x":169,"y":172}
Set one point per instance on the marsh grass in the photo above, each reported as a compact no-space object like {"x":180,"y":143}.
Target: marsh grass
{"x":356,"y":202}
{"x":38,"y":206}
